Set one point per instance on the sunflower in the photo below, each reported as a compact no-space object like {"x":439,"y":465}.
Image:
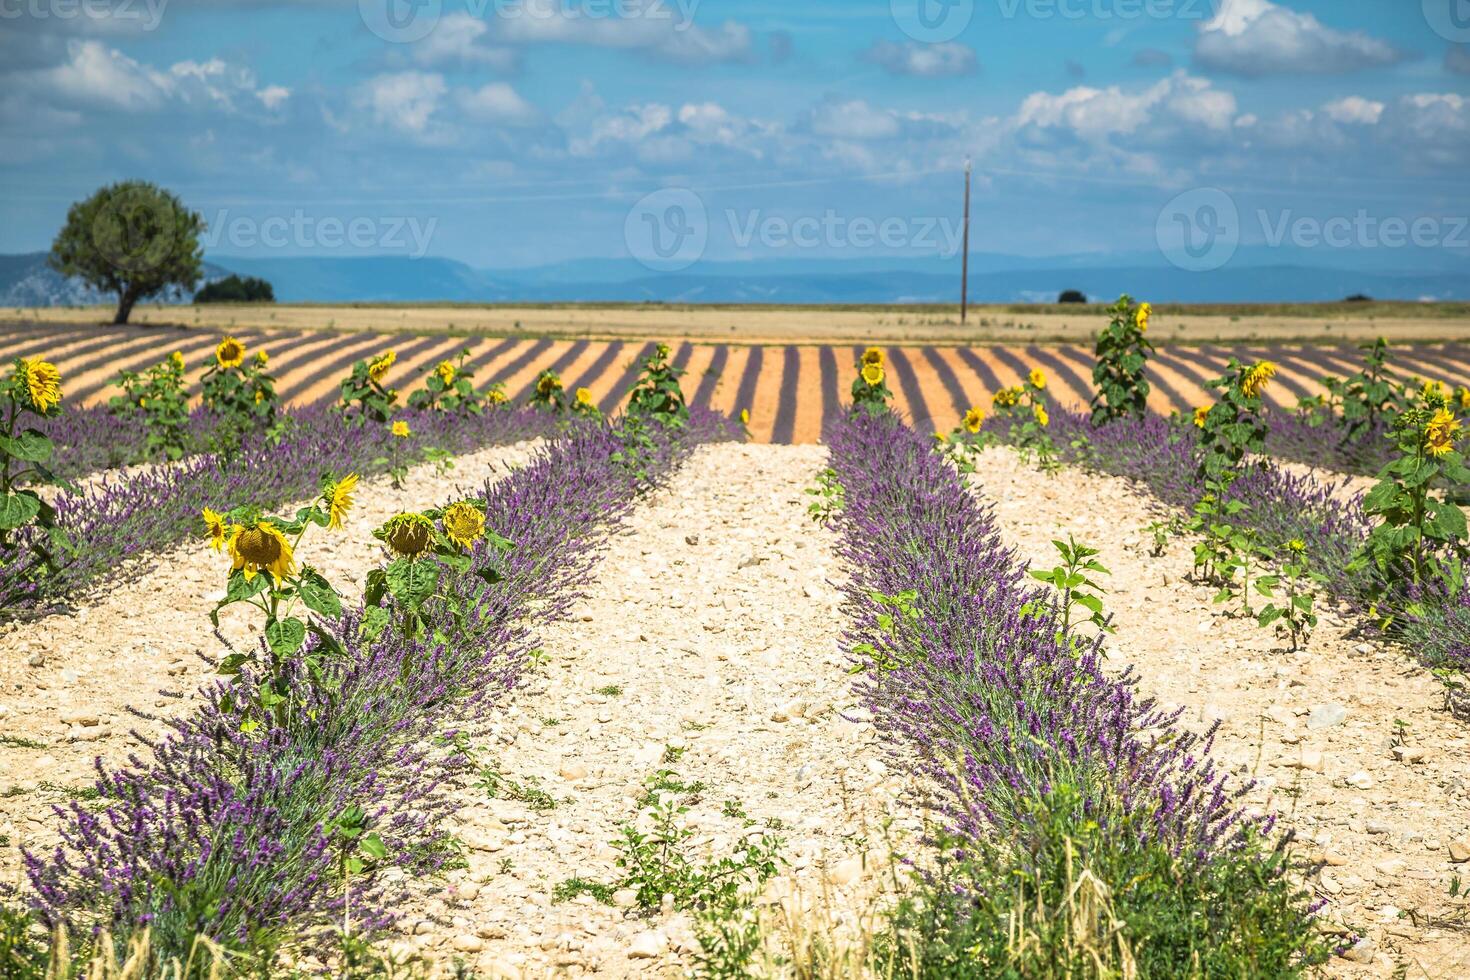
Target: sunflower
{"x":261,"y":548}
{"x":219,"y":529}
{"x":662,"y":352}
{"x":262,"y":358}
{"x":1145,"y":310}
{"x":1037,"y":379}
{"x":1042,"y":419}
{"x":1439,"y":434}
{"x":873,"y":374}
{"x":873,"y":356}
{"x":1435,"y":391}
{"x":1006,"y":398}
{"x":974,"y":418}
{"x":338,"y":498}
{"x":401,"y":429}
{"x":43,"y":384}
{"x":445,"y":370}
{"x":409,"y":535}
{"x":1201,"y":414}
{"x":745,"y":416}
{"x":584,"y":397}
{"x":378,"y":369}
{"x":548,"y":384}
{"x":495,"y":396}
{"x":1255,"y":379}
{"x":1462,"y":395}
{"x":464,"y":523}
{"x":230,"y":353}
{"x":177,"y":360}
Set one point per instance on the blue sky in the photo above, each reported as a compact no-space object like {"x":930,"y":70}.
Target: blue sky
{"x":510,"y":133}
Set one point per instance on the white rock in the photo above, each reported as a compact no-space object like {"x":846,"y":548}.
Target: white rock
{"x":647,"y":945}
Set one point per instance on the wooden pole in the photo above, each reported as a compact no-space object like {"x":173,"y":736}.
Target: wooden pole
{"x":965,"y":254}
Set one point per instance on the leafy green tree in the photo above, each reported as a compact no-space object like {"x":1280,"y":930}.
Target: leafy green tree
{"x":132,"y":238}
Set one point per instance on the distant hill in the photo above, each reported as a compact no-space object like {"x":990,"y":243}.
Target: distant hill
{"x":25,"y":280}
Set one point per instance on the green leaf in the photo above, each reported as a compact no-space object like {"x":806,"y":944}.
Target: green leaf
{"x":372,"y":845}
{"x":239,"y":589}
{"x":285,"y":636}
{"x":412,"y":582}
{"x":18,"y":509}
{"x":231,"y":665}
{"x":319,"y":595}
{"x":30,"y":445}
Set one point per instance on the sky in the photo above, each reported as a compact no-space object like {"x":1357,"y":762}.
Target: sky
{"x":517,"y":133}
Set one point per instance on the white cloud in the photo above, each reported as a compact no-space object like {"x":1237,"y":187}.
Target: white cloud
{"x":924,"y":60}
{"x":273,"y":96}
{"x":1258,"y":37}
{"x":1096,"y":114}
{"x":95,"y":74}
{"x":656,"y":27}
{"x":499,"y":103}
{"x":406,"y":100}
{"x":458,"y":39}
{"x":1355,"y":109}
{"x":854,"y":119}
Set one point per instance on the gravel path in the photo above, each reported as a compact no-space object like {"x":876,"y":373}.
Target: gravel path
{"x":68,"y":680}
{"x":1316,"y":728}
{"x":707,"y":647}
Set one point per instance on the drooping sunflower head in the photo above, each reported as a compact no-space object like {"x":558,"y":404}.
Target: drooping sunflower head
{"x":873,"y":355}
{"x":230,"y":353}
{"x":445,"y":370}
{"x":261,"y":547}
{"x":1006,"y":398}
{"x":495,"y":396}
{"x":584,"y":397}
{"x":974,"y":418}
{"x":409,"y":535}
{"x":1037,"y":378}
{"x":1256,"y":378}
{"x":1201,"y":415}
{"x":464,"y":523}
{"x":401,"y":429}
{"x":1435,"y":391}
{"x":262,"y":358}
{"x":661,"y":352}
{"x":338,"y":498}
{"x":548,"y":384}
{"x":873,"y":374}
{"x":1042,"y":419}
{"x":1440,"y":433}
{"x":378,"y":367}
{"x":1145,"y":310}
{"x":42,"y":384}
{"x":217,"y":528}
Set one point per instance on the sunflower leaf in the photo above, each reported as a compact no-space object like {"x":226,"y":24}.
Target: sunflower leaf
{"x":285,"y":636}
{"x":18,"y":510}
{"x":31,"y":446}
{"x":319,"y":595}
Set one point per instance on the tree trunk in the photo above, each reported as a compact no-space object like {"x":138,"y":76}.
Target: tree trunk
{"x":125,"y":301}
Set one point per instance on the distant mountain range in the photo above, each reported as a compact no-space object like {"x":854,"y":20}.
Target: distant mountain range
{"x":1254,"y":276}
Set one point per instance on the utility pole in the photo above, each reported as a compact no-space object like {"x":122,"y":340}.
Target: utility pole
{"x":965,"y":254}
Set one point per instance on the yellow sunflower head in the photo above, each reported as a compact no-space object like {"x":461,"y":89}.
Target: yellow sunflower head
{"x":464,"y":524}
{"x":940,"y":436}
{"x":409,"y":535}
{"x":261,"y":548}
{"x":401,"y":429}
{"x":42,"y":384}
{"x":745,"y":416}
{"x":873,"y":355}
{"x":262,"y":358}
{"x":1145,"y":310}
{"x":1201,"y":415}
{"x":177,"y":360}
{"x":548,"y":384}
{"x":338,"y":498}
{"x":1435,"y":391}
{"x":1037,"y":379}
{"x":1440,"y":433}
{"x":445,"y":370}
{"x":974,"y":418}
{"x":230,"y":353}
{"x":217,"y":528}
{"x":1462,"y":395}
{"x":495,"y":396}
{"x":1042,"y":419}
{"x":584,"y":397}
{"x":873,"y":374}
{"x":1006,"y":398}
{"x":378,"y":368}
{"x":1256,"y":378}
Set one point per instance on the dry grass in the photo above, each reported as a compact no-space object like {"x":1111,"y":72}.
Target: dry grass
{"x":1267,"y":323}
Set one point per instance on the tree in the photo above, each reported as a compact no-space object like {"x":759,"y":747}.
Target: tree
{"x":236,"y":289}
{"x":1072,"y":296}
{"x":132,"y":238}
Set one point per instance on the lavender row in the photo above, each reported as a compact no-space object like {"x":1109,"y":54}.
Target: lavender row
{"x":235,"y":832}
{"x":124,"y":518}
{"x":1041,"y":764}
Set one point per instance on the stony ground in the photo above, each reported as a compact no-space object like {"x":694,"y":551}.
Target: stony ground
{"x":703,"y":661}
{"x":67,"y":681}
{"x":1347,"y":739}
